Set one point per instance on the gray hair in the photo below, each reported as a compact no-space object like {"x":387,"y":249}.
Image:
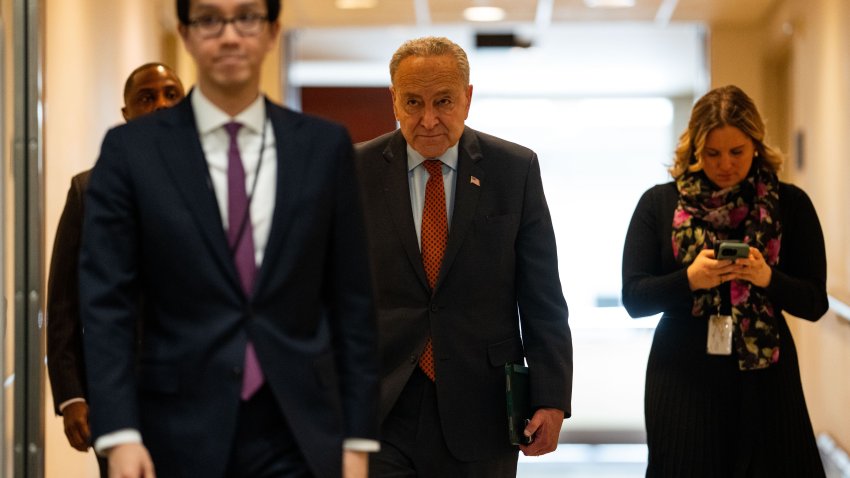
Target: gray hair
{"x":430,"y":46}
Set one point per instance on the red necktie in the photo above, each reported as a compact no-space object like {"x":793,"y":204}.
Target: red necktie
{"x":240,"y":238}
{"x":435,"y":231}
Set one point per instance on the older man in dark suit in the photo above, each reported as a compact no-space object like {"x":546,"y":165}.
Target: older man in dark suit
{"x":238,"y":222}
{"x":466,"y":279}
{"x":150,"y":87}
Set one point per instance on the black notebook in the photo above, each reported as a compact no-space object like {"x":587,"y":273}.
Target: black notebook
{"x":519,"y":408}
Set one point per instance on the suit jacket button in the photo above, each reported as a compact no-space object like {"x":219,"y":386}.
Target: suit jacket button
{"x":434,"y":307}
{"x":413,"y":359}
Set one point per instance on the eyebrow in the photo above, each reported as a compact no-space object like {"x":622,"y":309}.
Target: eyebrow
{"x":718,"y":149}
{"x":145,"y":91}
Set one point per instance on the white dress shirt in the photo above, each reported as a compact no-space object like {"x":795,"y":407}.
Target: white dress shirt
{"x":417,"y":178}
{"x":253,"y":137}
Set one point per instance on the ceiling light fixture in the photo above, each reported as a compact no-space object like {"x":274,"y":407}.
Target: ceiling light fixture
{"x":610,"y":3}
{"x":484,"y":14}
{"x":355,"y":4}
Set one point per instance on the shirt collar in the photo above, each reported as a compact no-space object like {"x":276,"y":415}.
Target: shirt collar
{"x":449,"y":158}
{"x":210,"y":117}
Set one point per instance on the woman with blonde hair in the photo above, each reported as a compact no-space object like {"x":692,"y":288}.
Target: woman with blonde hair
{"x":722,"y":251}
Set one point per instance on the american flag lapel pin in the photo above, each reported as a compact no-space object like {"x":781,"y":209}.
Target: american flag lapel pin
{"x":475,"y":181}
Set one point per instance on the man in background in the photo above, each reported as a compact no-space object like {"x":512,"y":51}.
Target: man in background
{"x":463,"y":253}
{"x":150,"y":87}
{"x":238,"y":222}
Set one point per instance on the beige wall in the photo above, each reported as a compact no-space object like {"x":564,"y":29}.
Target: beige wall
{"x":735,"y":55}
{"x":796,"y":65}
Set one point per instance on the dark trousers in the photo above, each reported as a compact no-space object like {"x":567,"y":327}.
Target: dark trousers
{"x":264,"y":446}
{"x":413,"y":445}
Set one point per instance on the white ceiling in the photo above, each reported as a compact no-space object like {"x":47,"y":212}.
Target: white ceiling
{"x":576,"y":51}
{"x":323,"y":13}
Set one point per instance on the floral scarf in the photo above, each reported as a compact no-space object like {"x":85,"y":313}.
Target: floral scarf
{"x":703,"y":217}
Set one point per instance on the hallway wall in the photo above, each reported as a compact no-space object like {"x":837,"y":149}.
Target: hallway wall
{"x":796,"y":66}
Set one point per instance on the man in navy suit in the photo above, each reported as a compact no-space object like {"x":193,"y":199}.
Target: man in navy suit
{"x":466,"y":279}
{"x":238,"y":222}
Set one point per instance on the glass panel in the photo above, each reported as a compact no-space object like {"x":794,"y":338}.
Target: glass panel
{"x":23,"y":222}
{"x":7,"y":325}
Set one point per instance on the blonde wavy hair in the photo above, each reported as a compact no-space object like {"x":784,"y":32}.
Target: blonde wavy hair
{"x":723,"y":106}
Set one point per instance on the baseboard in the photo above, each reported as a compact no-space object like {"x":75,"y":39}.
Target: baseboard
{"x":835,"y":459}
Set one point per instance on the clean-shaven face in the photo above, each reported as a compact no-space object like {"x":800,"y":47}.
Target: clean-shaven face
{"x":231,"y":60}
{"x":727,"y":156}
{"x":431,"y":102}
{"x":151,"y":89}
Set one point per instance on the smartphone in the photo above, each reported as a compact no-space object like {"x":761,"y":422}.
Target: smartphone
{"x":731,"y":250}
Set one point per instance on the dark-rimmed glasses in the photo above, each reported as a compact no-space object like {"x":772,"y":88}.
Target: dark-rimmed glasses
{"x":246,"y":24}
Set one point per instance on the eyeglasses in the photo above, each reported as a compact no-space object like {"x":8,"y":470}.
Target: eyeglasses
{"x":246,"y":24}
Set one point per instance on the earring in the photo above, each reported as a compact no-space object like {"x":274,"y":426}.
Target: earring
{"x":756,"y":154}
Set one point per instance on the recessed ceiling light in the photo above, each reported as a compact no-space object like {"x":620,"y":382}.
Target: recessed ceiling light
{"x":610,"y":3}
{"x":484,"y":14}
{"x":355,"y":4}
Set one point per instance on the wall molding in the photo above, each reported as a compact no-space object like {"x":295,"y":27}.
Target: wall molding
{"x":841,"y":308}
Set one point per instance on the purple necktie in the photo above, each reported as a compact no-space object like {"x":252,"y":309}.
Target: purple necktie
{"x":240,"y":239}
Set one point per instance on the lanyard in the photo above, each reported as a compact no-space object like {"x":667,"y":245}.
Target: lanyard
{"x":244,"y":220}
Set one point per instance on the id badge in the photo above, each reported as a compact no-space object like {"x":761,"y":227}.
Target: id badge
{"x":719,"y":335}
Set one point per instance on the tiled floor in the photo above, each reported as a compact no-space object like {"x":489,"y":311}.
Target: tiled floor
{"x":586,"y":461}
{"x":629,"y":461}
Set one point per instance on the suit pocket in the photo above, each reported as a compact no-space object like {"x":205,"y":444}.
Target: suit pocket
{"x":501,"y":218}
{"x":495,"y":237}
{"x":159,"y":378}
{"x":501,"y":224}
{"x":506,"y":351}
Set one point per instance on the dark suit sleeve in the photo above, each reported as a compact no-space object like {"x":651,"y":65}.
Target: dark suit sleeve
{"x":65,"y":365}
{"x":798,"y":283}
{"x":543,"y":310}
{"x":108,"y":289}
{"x":648,"y":287}
{"x":349,"y":296}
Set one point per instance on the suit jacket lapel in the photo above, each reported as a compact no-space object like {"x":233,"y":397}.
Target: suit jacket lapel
{"x":466,"y":197}
{"x":397,"y":196}
{"x":183,"y":157}
{"x":288,"y":144}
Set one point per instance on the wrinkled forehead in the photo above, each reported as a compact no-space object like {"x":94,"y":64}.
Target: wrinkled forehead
{"x":428,"y":73}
